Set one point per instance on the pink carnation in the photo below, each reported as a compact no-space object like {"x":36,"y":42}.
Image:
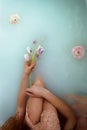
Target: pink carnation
{"x":78,"y":52}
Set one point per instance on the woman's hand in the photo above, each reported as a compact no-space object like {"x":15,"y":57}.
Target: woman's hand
{"x":28,"y":121}
{"x":28,"y":67}
{"x":35,"y":91}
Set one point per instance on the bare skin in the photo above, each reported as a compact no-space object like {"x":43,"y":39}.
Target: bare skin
{"x":34,"y":108}
{"x":77,"y":98}
{"x":53,"y":102}
{"x":34,"y":105}
{"x":41,"y":99}
{"x":79,"y":105}
{"x":22,"y":97}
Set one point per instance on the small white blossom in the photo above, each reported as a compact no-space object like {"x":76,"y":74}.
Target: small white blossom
{"x":14,"y":19}
{"x":29,"y":50}
{"x":26,"y":57}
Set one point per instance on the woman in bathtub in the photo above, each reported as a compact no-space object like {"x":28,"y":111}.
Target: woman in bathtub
{"x":38,"y":108}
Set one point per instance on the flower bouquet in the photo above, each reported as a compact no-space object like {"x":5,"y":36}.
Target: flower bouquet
{"x":34,"y":53}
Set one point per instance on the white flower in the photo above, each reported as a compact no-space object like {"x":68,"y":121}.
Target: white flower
{"x":26,"y":57}
{"x":14,"y":19}
{"x":29,"y":50}
{"x":40,"y":50}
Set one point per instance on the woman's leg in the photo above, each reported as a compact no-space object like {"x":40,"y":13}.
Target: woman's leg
{"x":49,"y":107}
{"x":34,"y":105}
{"x":49,"y":117}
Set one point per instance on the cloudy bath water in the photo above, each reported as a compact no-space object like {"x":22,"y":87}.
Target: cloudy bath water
{"x":63,"y":25}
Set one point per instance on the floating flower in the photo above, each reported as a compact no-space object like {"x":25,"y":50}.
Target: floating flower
{"x":26,"y":56}
{"x":14,"y":19}
{"x":78,"y":52}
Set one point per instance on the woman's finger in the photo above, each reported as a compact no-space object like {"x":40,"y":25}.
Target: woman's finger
{"x":29,"y":94}
{"x":26,"y":117}
{"x":28,"y":120}
{"x":27,"y":63}
{"x":32,"y":66}
{"x":28,"y":90}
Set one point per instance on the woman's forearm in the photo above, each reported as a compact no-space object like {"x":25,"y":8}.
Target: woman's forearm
{"x":59,"y":104}
{"x":22,"y":97}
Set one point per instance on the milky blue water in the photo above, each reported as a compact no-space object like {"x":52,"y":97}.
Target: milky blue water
{"x":63,"y":25}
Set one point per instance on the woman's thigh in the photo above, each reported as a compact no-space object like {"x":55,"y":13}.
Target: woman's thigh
{"x":49,"y":107}
{"x":49,"y":117}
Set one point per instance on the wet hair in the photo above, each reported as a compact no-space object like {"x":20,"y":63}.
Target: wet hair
{"x":14,"y":124}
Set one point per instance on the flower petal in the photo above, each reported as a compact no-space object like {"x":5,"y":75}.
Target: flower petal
{"x":35,"y":41}
{"x":29,"y":50}
{"x":26,"y":57}
{"x":40,"y":50}
{"x":14,"y":19}
{"x":78,"y":52}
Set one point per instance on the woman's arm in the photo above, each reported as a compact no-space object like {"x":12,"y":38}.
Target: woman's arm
{"x":22,"y":97}
{"x":76,"y":98}
{"x":57,"y":102}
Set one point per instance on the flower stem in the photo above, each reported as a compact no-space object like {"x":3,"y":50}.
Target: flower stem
{"x":34,"y":58}
{"x":30,"y":79}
